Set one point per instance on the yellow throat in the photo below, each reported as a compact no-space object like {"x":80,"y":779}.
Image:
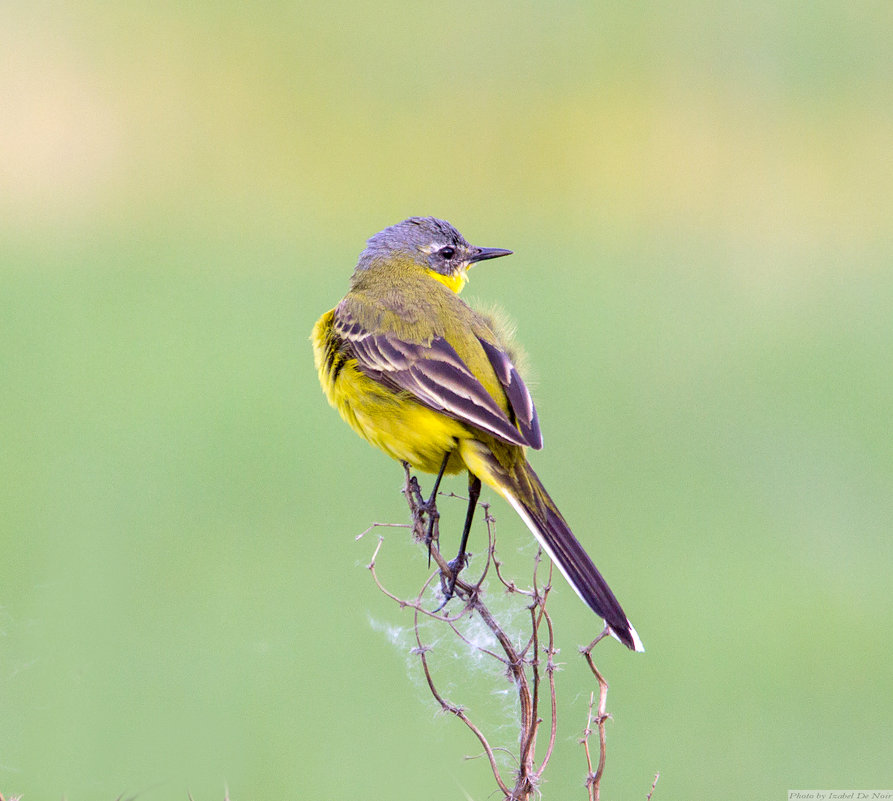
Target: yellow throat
{"x":456,"y":281}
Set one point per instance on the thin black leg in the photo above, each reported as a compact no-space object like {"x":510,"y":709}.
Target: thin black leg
{"x":443,"y":464}
{"x":474,"y":492}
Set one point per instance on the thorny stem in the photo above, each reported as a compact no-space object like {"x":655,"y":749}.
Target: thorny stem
{"x":523,"y":665}
{"x":446,"y":706}
{"x":653,"y":785}
{"x":593,"y":781}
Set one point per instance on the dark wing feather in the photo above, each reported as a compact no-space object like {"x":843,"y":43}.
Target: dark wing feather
{"x":517,"y":393}
{"x":438,"y":378}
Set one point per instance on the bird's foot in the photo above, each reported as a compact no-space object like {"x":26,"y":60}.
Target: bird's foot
{"x":448,"y":583}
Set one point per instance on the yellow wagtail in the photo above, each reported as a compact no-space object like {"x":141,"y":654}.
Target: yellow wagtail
{"x":421,"y":375}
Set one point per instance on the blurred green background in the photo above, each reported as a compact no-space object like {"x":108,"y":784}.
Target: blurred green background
{"x":700,"y":200}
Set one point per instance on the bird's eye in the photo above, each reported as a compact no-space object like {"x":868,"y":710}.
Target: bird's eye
{"x":447,"y":253}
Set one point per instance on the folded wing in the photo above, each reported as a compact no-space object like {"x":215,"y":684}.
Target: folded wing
{"x":437,"y":377}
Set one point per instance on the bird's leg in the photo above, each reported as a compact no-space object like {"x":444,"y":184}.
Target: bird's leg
{"x":430,"y":506}
{"x":456,"y":565}
{"x":431,"y":502}
{"x":420,"y":508}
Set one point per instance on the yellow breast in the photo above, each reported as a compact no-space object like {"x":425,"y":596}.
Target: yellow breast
{"x":392,"y":421}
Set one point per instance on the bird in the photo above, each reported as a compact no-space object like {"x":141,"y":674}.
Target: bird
{"x":420,"y":374}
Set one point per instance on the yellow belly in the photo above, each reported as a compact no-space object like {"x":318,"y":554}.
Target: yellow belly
{"x":392,"y":421}
{"x":401,"y":427}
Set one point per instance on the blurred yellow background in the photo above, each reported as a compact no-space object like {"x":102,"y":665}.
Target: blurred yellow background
{"x":699,"y":197}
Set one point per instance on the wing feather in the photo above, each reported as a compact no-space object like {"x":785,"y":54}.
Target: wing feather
{"x":517,"y":393}
{"x":436,"y":376}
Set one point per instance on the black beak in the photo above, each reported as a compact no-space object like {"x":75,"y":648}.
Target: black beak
{"x":481,"y":254}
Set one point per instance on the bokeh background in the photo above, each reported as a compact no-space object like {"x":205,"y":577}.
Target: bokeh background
{"x":699,"y":197}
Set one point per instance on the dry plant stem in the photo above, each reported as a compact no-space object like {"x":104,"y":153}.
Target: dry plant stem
{"x":553,"y":696}
{"x":593,"y":781}
{"x":517,"y":662}
{"x":653,"y":785}
{"x":421,"y":650}
{"x":530,"y":676}
{"x":585,"y":743}
{"x":362,"y":534}
{"x":446,"y":706}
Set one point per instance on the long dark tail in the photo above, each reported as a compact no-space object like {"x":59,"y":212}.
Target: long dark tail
{"x":526,"y":493}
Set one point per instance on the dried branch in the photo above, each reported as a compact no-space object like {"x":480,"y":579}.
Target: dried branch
{"x":653,"y":785}
{"x":530,"y":667}
{"x":593,"y":781}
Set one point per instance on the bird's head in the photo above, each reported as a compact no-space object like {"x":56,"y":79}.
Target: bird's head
{"x":430,"y":243}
